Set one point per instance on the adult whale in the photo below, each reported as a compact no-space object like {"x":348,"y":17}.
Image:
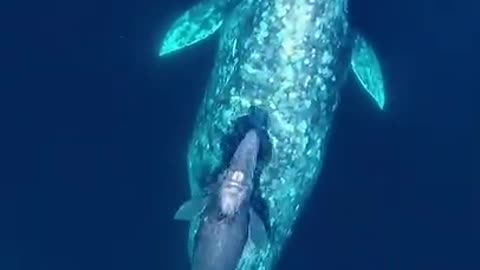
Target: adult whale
{"x":287,"y":59}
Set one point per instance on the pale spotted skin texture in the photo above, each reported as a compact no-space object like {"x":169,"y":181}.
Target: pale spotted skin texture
{"x":288,"y":58}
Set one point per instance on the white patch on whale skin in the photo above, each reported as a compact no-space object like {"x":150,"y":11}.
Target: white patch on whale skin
{"x":232,"y":193}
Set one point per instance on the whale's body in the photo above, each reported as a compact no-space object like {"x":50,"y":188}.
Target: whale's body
{"x":227,"y":220}
{"x":289,"y":58}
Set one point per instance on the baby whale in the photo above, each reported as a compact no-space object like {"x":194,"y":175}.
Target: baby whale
{"x":227,"y":219}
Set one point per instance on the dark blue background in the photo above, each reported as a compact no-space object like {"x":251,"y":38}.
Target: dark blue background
{"x":95,"y":128}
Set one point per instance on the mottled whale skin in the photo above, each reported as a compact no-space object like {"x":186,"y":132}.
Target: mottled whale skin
{"x":289,"y":58}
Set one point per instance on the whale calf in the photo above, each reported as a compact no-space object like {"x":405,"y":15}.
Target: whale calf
{"x":227,"y":218}
{"x":288,"y":59}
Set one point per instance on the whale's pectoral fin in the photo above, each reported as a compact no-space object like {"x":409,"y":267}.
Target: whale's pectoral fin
{"x":257,"y":232}
{"x":368,"y":71}
{"x":194,"y":25}
{"x":191,"y":208}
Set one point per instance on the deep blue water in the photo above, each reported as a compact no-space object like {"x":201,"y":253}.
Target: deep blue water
{"x":95,"y":129}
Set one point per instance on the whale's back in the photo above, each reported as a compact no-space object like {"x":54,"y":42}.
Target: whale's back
{"x":287,"y":58}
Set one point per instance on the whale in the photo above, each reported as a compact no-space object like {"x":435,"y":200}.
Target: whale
{"x":227,"y":219}
{"x":280,"y":67}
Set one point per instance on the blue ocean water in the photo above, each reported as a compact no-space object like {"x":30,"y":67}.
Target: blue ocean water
{"x":95,"y":131}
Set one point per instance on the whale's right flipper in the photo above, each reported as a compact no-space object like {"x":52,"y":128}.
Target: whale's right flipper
{"x":191,"y":208}
{"x":366,"y":66}
{"x":257,"y":232}
{"x":196,"y":24}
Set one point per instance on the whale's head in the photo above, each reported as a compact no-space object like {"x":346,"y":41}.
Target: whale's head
{"x":235,"y":190}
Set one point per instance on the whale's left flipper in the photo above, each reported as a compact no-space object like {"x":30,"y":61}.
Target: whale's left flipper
{"x":368,"y":71}
{"x":191,"y":208}
{"x":196,"y":24}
